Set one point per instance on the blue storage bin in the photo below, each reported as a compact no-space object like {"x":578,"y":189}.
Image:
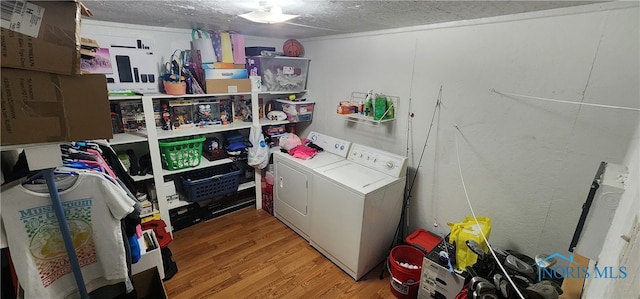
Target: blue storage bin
{"x":211,"y":182}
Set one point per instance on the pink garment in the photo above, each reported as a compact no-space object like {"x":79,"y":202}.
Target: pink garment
{"x":303,"y":152}
{"x":138,"y":231}
{"x":102,"y":162}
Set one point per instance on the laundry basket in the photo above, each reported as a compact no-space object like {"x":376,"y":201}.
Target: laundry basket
{"x":211,"y":182}
{"x":181,"y":153}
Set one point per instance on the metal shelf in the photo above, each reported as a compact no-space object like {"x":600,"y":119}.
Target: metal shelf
{"x":247,"y":185}
{"x":282,"y":92}
{"x":268,"y":122}
{"x":127,"y":138}
{"x":361,"y":118}
{"x":165,"y":134}
{"x":154,"y":135}
{"x":360,"y":97}
{"x":166,"y":96}
{"x":124,"y":98}
{"x":181,"y":203}
{"x":149,"y":214}
{"x":140,"y":178}
{"x":177,"y":204}
{"x":204,"y":163}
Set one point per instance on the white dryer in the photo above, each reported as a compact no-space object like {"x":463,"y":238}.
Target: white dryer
{"x":356,"y":207}
{"x":293,"y":180}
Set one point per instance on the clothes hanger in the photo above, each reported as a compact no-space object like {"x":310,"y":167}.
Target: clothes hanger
{"x":88,"y":145}
{"x":102,"y":162}
{"x":80,"y":164}
{"x":38,"y":175}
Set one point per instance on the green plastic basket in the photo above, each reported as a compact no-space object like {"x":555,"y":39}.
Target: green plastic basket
{"x":181,"y":153}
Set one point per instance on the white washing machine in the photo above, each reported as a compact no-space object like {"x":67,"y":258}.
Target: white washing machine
{"x":356,"y":207}
{"x":293,"y":180}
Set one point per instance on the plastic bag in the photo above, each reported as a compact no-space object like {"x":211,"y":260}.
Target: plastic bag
{"x":468,"y":229}
{"x":204,"y":45}
{"x":258,"y":155}
{"x":288,"y":141}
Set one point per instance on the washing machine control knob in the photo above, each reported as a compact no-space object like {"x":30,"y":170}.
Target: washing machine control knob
{"x":390,"y":165}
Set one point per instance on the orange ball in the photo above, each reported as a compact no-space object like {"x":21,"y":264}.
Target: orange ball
{"x":292,"y":48}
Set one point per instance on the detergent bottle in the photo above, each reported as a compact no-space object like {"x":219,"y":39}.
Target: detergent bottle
{"x":379,"y":107}
{"x":390,"y":110}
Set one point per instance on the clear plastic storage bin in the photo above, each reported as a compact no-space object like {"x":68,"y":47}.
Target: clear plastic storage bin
{"x":280,"y":73}
{"x":296,"y":111}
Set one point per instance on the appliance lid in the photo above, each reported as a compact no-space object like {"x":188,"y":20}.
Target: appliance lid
{"x":356,"y":176}
{"x":319,"y":160}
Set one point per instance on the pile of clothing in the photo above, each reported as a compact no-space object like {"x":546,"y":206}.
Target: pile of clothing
{"x":290,"y":143}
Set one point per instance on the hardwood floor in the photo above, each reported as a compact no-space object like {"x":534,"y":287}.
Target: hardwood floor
{"x":251,"y":254}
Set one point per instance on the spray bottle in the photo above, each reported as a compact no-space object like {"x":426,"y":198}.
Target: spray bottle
{"x":368,"y":104}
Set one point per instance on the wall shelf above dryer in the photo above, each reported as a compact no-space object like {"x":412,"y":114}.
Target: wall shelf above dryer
{"x":358,"y":100}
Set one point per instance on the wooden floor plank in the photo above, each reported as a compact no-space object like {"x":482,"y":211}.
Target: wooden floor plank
{"x":250,"y":254}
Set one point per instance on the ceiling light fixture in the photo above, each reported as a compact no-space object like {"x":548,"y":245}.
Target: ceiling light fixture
{"x":268,"y":15}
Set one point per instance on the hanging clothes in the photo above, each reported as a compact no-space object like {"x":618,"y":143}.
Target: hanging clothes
{"x":93,"y":208}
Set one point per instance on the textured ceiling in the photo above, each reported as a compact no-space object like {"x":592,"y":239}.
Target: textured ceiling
{"x":317,"y":18}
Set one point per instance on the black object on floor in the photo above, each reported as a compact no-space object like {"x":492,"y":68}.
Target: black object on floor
{"x":170,"y":266}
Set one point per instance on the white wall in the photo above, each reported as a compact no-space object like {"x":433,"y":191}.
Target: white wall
{"x":527,"y":164}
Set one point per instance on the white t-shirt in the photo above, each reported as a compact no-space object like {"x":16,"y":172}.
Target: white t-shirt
{"x":93,"y":207}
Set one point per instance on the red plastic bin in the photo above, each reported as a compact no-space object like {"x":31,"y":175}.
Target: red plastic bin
{"x":160,"y":228}
{"x":423,"y":240}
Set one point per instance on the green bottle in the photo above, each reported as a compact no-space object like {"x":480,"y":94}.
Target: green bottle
{"x":391,"y":110}
{"x":379,"y":107}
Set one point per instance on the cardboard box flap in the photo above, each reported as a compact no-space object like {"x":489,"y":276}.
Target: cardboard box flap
{"x":85,"y":11}
{"x":87,"y":43}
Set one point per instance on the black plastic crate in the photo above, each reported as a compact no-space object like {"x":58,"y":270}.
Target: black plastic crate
{"x":211,"y":182}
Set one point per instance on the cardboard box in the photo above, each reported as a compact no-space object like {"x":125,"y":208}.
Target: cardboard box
{"x":572,"y":286}
{"x":228,"y":85}
{"x":225,"y":74}
{"x":149,"y":285}
{"x":45,"y":37}
{"x":43,"y":107}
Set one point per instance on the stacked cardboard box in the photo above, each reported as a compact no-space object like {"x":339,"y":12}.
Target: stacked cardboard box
{"x":223,"y":77}
{"x":44,"y":98}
